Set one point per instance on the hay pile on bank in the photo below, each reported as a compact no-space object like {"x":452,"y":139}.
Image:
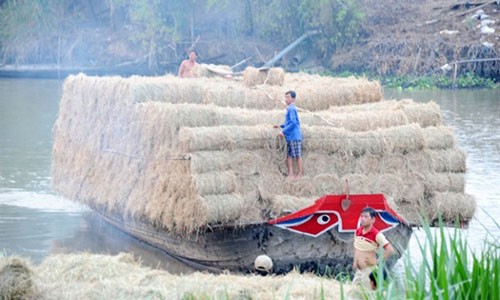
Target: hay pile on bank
{"x":184,"y":154}
{"x":87,"y":276}
{"x":16,"y":279}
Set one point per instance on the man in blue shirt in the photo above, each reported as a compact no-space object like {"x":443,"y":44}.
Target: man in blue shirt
{"x":293,"y":135}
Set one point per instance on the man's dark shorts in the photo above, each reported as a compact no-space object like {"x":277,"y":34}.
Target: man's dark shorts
{"x":294,"y":148}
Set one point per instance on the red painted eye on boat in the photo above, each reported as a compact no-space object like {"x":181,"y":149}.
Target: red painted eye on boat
{"x":323,"y":219}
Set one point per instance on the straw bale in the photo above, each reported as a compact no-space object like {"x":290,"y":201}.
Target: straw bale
{"x":425,"y":114}
{"x":403,"y":139}
{"x":439,"y":137}
{"x":242,"y":162}
{"x":191,"y":115}
{"x":449,"y":160}
{"x":368,"y":163}
{"x":16,"y":279}
{"x":216,"y":183}
{"x":411,"y":189}
{"x":391,"y":184}
{"x":446,"y":160}
{"x":225,"y":138}
{"x":331,"y":163}
{"x":273,"y":76}
{"x":159,"y":198}
{"x":356,"y":120}
{"x":327,"y":184}
{"x":220,"y":208}
{"x":94,"y":276}
{"x":445,"y":182}
{"x":319,"y":89}
{"x":283,"y":204}
{"x":217,"y":91}
{"x":313,"y":96}
{"x":452,"y":206}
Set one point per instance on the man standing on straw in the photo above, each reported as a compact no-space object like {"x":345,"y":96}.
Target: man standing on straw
{"x":187,"y":65}
{"x":293,"y":135}
{"x":367,"y":241}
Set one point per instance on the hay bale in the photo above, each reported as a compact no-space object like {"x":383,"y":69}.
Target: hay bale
{"x":452,"y":206}
{"x":191,"y":115}
{"x":317,"y":94}
{"x":272,"y":76}
{"x":449,"y":160}
{"x":402,"y":139}
{"x":356,"y":120}
{"x":16,"y":279}
{"x":216,"y":183}
{"x":242,"y":162}
{"x":444,"y":182}
{"x":425,"y":114}
{"x":220,"y":208}
{"x":314,"y":93}
{"x":323,"y":92}
{"x":285,"y":204}
{"x":439,"y":137}
{"x":252,"y":76}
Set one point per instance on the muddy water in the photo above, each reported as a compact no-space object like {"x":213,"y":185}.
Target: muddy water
{"x":34,"y":222}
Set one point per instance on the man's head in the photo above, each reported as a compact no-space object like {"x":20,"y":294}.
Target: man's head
{"x":367,"y":217}
{"x":290,"y":97}
{"x":374,"y":280}
{"x":193,"y":55}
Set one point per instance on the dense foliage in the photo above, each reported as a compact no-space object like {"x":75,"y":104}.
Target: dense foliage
{"x":112,"y":31}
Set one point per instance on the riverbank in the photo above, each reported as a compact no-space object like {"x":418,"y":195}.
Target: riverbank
{"x":388,"y":38}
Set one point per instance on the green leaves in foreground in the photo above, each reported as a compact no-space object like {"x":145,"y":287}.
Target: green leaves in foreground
{"x":450,"y":270}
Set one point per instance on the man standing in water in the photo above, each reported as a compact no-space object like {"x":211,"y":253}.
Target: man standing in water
{"x":187,"y":65}
{"x":293,"y":135}
{"x":366,"y":243}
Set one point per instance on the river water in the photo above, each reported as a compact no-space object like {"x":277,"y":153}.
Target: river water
{"x":35,"y":222}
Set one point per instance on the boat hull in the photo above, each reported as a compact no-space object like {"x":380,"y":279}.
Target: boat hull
{"x":235,"y":248}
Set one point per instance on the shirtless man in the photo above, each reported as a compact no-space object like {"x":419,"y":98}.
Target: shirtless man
{"x":366,"y":243}
{"x":187,"y":65}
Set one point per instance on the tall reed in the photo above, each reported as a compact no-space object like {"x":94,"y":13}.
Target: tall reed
{"x":449,"y":269}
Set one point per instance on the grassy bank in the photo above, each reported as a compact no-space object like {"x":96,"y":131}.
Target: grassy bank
{"x":449,"y":270}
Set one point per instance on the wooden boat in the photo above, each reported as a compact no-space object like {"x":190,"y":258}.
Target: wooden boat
{"x":318,"y":238}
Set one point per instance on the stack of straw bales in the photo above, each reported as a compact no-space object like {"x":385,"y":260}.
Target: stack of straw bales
{"x":186,"y":153}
